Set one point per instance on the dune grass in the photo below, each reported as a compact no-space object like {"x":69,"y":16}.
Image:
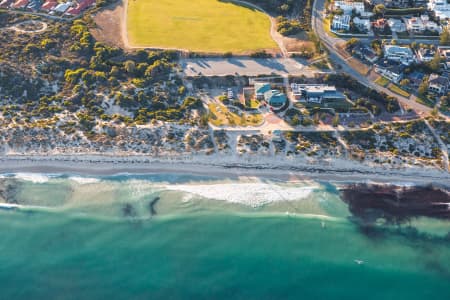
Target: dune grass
{"x":198,"y":25}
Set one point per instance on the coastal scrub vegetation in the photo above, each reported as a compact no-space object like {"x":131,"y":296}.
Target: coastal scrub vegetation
{"x":64,"y":78}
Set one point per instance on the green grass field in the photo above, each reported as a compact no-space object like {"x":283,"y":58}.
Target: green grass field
{"x":198,"y":25}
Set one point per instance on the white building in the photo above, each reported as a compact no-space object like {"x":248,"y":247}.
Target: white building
{"x":440,"y":7}
{"x":349,"y":6}
{"x":403,"y":55}
{"x":419,"y":25}
{"x":396,"y":25}
{"x":341,"y":22}
{"x":415,"y":25}
{"x":316,"y":93}
{"x":362,"y":24}
{"x":392,"y":72}
{"x":62,"y":7}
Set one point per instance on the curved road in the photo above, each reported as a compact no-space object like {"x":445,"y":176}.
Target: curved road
{"x":330,"y":43}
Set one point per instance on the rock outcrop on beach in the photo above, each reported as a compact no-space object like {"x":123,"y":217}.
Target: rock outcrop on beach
{"x":396,"y":204}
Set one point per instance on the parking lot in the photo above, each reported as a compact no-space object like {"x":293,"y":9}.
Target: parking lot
{"x":245,"y":66}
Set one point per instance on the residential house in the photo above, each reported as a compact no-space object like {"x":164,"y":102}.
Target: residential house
{"x":440,"y":8}
{"x":62,"y":7}
{"x":379,"y":24}
{"x":425,"y":55}
{"x":316,"y":93}
{"x":438,"y":84}
{"x":35,"y":5}
{"x":396,"y":25}
{"x":362,"y":24}
{"x":49,"y":5}
{"x":430,"y":25}
{"x":20,"y":4}
{"x":367,"y":53}
{"x":348,"y":7}
{"x":6,"y":3}
{"x":341,"y":22}
{"x":397,"y":3}
{"x":415,"y":78}
{"x":403,"y":55}
{"x":393,"y":72}
{"x":444,"y":52}
{"x":415,"y":25}
{"x":82,"y":5}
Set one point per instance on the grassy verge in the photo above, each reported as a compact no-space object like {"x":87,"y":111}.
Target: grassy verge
{"x":396,"y":89}
{"x":425,"y":101}
{"x":326,"y":26}
{"x":383,"y":81}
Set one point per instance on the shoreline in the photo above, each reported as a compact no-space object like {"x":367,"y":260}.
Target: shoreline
{"x":103,"y":165}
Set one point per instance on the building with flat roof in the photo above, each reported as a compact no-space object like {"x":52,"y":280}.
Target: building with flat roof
{"x":341,"y":22}
{"x":275,"y":98}
{"x":261,"y":88}
{"x":403,"y":55}
{"x":393,"y":72}
{"x":316,"y":93}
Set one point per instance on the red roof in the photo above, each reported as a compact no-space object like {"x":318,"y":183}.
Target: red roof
{"x":80,"y":6}
{"x":49,"y":5}
{"x":5,"y":3}
{"x":20,"y":4}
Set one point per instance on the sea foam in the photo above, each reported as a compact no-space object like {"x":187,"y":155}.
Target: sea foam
{"x":33,"y":177}
{"x":84,"y":180}
{"x":252,"y":194}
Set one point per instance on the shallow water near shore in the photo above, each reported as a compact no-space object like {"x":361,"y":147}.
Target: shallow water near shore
{"x":72,"y":237}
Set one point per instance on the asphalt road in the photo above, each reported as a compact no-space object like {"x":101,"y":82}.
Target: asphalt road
{"x":330,"y":43}
{"x":245,"y":66}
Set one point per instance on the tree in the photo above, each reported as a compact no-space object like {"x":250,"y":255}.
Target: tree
{"x":435,"y":63}
{"x":351,"y":42}
{"x":435,"y":112}
{"x":295,"y":120}
{"x":130,"y":66}
{"x":379,"y":9}
{"x":404,"y":82}
{"x":423,"y":87}
{"x":336,"y":120}
{"x":445,"y":38}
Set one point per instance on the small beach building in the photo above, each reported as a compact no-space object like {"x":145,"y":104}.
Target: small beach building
{"x":316,"y":93}
{"x":261,"y":88}
{"x":275,"y":98}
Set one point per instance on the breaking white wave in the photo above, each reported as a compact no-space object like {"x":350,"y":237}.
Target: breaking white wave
{"x":252,"y":194}
{"x":84,"y":180}
{"x":33,"y":177}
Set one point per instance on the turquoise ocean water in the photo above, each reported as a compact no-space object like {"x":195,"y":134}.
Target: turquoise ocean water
{"x":211,"y":238}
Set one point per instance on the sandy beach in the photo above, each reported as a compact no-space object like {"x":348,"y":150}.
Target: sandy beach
{"x":337,"y":171}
